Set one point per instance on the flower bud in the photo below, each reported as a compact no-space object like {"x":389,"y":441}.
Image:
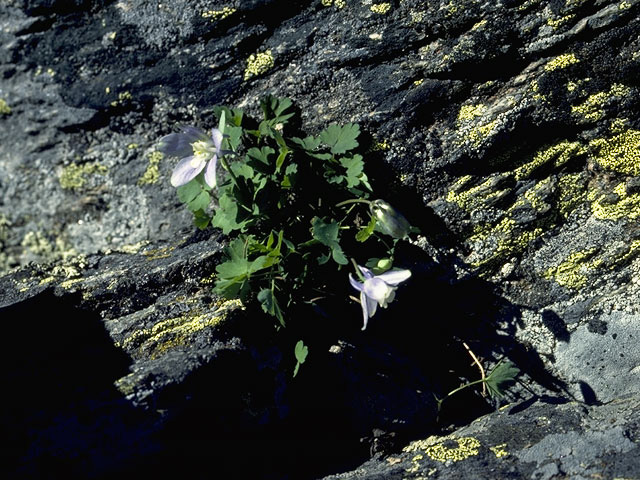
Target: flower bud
{"x":389,"y":220}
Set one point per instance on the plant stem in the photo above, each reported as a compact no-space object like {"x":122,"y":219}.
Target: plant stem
{"x":353,"y":200}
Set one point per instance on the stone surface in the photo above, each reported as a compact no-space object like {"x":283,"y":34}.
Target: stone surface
{"x":508,"y":132}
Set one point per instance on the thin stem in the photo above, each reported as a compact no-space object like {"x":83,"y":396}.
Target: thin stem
{"x":477,"y":362}
{"x":226,"y":166}
{"x":353,"y":200}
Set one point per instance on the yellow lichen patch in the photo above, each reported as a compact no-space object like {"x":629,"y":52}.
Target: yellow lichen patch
{"x":174,"y":332}
{"x":467,"y":447}
{"x":219,"y":14}
{"x":572,"y":273}
{"x":572,"y":193}
{"x":73,"y":177}
{"x":560,"y":153}
{"x":4,"y":108}
{"x":592,"y":109}
{"x":478,"y":134}
{"x":123,"y":97}
{"x":561,"y":61}
{"x":380,"y":146}
{"x":258,"y":64}
{"x":479,"y":25}
{"x":152,"y":173}
{"x":477,"y":196}
{"x":131,"y":249}
{"x":620,"y":153}
{"x":157,"y":253}
{"x":380,"y":8}
{"x":470,"y":112}
{"x":558,"y":22}
{"x":628,"y":206}
{"x":499,"y":450}
{"x":338,"y":3}
{"x":624,"y":6}
{"x":419,"y":82}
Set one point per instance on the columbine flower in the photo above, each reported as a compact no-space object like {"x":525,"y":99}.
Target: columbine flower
{"x":377,"y":290}
{"x":198,"y":150}
{"x":389,"y":220}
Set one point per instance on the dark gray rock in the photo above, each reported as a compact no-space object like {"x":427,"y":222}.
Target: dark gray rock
{"x":508,"y":132}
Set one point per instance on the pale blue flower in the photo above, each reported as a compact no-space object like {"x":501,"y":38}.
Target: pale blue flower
{"x":377,"y":289}
{"x":198,"y":151}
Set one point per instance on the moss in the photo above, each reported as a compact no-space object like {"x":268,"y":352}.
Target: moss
{"x":152,"y":173}
{"x":4,"y":108}
{"x":561,"y":61}
{"x":572,"y":273}
{"x":258,"y":64}
{"x":73,"y":177}
{"x":560,"y":153}
{"x":219,"y":14}
{"x":178,"y":331}
{"x":380,"y":8}
{"x":620,"y":153}
{"x":592,"y":109}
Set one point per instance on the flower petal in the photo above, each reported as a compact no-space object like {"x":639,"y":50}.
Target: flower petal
{"x":365,"y":309}
{"x":366,"y":272}
{"x":355,"y":284}
{"x":216,"y":136}
{"x":394,"y":277}
{"x":372,"y":306}
{"x":175,"y":144}
{"x":377,"y":289}
{"x":185,"y":171}
{"x":210,"y":172}
{"x":194,"y":134}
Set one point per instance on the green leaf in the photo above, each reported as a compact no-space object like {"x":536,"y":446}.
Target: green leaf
{"x":189,"y":191}
{"x":301,"y":351}
{"x":354,"y":166}
{"x":503,"y":375}
{"x":275,"y":109}
{"x":340,"y":138}
{"x":270,"y":305}
{"x":309,"y":143}
{"x":222,"y":123}
{"x":364,"y":233}
{"x":281,"y":158}
{"x":327,"y":234}
{"x":235,"y":135}
{"x":225,"y":216}
{"x":200,"y":202}
{"x":201,"y":219}
{"x":289,"y":176}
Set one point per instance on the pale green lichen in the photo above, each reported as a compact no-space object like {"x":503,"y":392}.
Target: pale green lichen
{"x":5,"y":109}
{"x":561,"y":61}
{"x":177,"y":331}
{"x":502,"y":240}
{"x":219,"y":14}
{"x":258,"y":64}
{"x":152,"y":173}
{"x":339,"y":4}
{"x":592,"y":109}
{"x":573,"y":272}
{"x":467,"y":447}
{"x":628,"y":206}
{"x":479,"y":134}
{"x":560,"y":153}
{"x":123,"y":97}
{"x":556,"y":23}
{"x":499,"y":450}
{"x":73,"y":177}
{"x":470,"y":112}
{"x":571,"y":193}
{"x":158,"y":253}
{"x":624,"y":6}
{"x":620,"y":153}
{"x":380,"y":8}
{"x":474,"y":197}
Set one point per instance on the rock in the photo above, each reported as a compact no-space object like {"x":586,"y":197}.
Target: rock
{"x":508,"y":132}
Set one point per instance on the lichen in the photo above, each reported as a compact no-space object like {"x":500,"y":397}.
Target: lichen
{"x":502,"y":240}
{"x":380,"y":8}
{"x":477,"y":196}
{"x":123,"y":97}
{"x":499,"y":450}
{"x":627,"y":206}
{"x":339,"y":4}
{"x":561,"y":61}
{"x":258,"y":64}
{"x":219,"y":14}
{"x":556,"y":23}
{"x":152,"y":173}
{"x":5,"y":109}
{"x":478,"y":134}
{"x":177,"y":331}
{"x":620,"y":153}
{"x":467,"y":447}
{"x":157,"y":253}
{"x":572,"y":273}
{"x":571,"y":193}
{"x":470,"y":112}
{"x":561,"y":153}
{"x":73,"y":177}
{"x":592,"y":109}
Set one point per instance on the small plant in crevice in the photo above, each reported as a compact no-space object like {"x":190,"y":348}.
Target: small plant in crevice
{"x":297,"y":209}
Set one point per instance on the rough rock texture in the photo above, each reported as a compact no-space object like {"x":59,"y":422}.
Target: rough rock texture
{"x":508,"y":131}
